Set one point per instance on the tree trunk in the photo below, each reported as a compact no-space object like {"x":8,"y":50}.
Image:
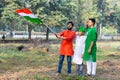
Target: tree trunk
{"x":47,"y":34}
{"x":29,"y":30}
{"x":78,"y":13}
{"x":99,"y":25}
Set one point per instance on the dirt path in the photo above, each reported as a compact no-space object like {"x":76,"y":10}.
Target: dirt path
{"x":106,"y":70}
{"x":109,"y":69}
{"x":27,"y":71}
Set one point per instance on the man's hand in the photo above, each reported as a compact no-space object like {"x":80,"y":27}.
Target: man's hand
{"x":56,"y":35}
{"x":91,"y":45}
{"x":89,"y":50}
{"x":77,"y":33}
{"x":62,"y":37}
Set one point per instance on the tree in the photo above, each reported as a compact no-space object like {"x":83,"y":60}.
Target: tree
{"x":1,"y":7}
{"x":8,"y":15}
{"x":109,"y":10}
{"x":117,"y":18}
{"x":56,"y":13}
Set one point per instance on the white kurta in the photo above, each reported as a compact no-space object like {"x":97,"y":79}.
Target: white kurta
{"x":79,"y":49}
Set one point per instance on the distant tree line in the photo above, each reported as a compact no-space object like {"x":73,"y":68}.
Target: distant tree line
{"x":56,"y":13}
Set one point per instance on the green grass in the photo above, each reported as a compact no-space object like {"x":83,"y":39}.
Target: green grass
{"x":14,"y":58}
{"x":40,"y":65}
{"x":107,"y":50}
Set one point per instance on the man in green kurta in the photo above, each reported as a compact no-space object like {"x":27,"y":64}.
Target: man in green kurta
{"x":90,"y":48}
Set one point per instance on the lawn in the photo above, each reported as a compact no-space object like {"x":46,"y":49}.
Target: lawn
{"x":38,"y":64}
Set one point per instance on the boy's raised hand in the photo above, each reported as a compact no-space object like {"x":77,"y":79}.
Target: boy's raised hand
{"x":56,"y":35}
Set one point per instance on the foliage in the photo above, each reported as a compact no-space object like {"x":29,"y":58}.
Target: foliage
{"x":58,"y":12}
{"x":109,"y":30}
{"x":109,"y":13}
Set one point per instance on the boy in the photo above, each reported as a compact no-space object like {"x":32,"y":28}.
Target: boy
{"x":90,"y":48}
{"x":79,"y":50}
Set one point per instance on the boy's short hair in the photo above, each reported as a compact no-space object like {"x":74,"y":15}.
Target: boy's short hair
{"x":70,"y":23}
{"x":93,"y":20}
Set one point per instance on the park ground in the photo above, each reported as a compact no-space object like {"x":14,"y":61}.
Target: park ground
{"x":38,"y":64}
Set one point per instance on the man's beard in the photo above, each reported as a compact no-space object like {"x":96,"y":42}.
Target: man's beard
{"x":69,"y":28}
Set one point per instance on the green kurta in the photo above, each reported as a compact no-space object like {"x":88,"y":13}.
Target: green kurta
{"x":91,"y":36}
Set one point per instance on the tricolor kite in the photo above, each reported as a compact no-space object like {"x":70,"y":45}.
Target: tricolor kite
{"x":27,"y":14}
